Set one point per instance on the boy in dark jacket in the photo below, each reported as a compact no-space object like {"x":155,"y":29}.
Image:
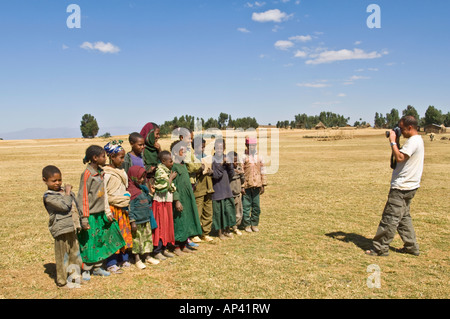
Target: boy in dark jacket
{"x":64,"y":222}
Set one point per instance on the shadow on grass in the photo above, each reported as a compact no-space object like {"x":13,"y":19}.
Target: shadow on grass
{"x":50,"y":270}
{"x":360,"y":241}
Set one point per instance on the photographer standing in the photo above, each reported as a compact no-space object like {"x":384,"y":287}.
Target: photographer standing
{"x":404,"y":184}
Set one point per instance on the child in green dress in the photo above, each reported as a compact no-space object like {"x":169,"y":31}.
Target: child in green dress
{"x":100,"y":236}
{"x":186,"y":222}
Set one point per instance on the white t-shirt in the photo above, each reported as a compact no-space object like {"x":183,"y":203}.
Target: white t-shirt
{"x":407,"y":175}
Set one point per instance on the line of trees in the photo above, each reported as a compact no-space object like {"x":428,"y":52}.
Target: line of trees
{"x":389,"y":120}
{"x":222,"y":122}
{"x":305,"y":121}
{"x":89,"y":127}
{"x":432,"y":116}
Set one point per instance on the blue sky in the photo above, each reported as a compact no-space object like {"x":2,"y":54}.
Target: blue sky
{"x":137,"y":61}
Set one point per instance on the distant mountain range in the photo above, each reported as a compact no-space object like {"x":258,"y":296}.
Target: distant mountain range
{"x":62,"y":132}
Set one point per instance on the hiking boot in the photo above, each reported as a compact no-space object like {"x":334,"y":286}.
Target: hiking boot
{"x":406,"y":251}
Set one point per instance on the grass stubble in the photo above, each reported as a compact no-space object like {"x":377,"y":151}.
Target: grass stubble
{"x":319,"y":213}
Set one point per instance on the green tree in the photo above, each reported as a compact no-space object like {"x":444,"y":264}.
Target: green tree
{"x":222,"y":120}
{"x":392,"y":118}
{"x":211,"y":123}
{"x":447,"y":119}
{"x":89,"y":127}
{"x":433,"y":116}
{"x":380,"y":120}
{"x":410,"y":110}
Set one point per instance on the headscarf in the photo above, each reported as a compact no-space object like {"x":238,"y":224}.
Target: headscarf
{"x":150,"y":154}
{"x":113,"y":147}
{"x":134,"y":174}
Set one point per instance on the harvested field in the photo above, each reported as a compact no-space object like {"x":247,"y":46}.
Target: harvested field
{"x":319,"y":214}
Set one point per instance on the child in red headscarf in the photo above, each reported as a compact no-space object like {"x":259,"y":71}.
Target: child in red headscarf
{"x":142,"y":220}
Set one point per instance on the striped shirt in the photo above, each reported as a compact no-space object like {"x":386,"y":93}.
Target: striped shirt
{"x":91,"y":194}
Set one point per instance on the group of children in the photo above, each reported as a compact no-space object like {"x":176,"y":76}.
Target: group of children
{"x":150,"y":204}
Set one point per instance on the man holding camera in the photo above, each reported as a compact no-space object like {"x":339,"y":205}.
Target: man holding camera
{"x":404,"y":183}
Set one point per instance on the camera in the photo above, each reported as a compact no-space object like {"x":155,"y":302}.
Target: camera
{"x":397,"y":131}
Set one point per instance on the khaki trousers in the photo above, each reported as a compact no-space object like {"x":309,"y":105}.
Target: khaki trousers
{"x":396,"y":218}
{"x":67,"y":257}
{"x":205,"y":212}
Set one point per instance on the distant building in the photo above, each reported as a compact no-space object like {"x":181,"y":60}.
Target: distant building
{"x":434,"y":128}
{"x":320,"y":126}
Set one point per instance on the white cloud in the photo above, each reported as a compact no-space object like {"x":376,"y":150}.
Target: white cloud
{"x":283,"y":44}
{"x":300,"y":54}
{"x":274,"y":15}
{"x":256,"y":4}
{"x":276,"y":28}
{"x":342,"y":95}
{"x":341,"y":55}
{"x":243,"y":30}
{"x":359,"y":77}
{"x":357,"y":42}
{"x":100,"y":46}
{"x":64,"y":47}
{"x":87,"y":46}
{"x":314,"y":85}
{"x":301,"y":38}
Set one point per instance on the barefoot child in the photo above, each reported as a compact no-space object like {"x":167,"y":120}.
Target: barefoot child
{"x":165,"y":194}
{"x":64,"y":223}
{"x":100,"y":236}
{"x":141,"y":217}
{"x":116,"y":181}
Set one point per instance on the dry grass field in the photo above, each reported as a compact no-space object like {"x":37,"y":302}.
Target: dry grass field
{"x":319,"y":213}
